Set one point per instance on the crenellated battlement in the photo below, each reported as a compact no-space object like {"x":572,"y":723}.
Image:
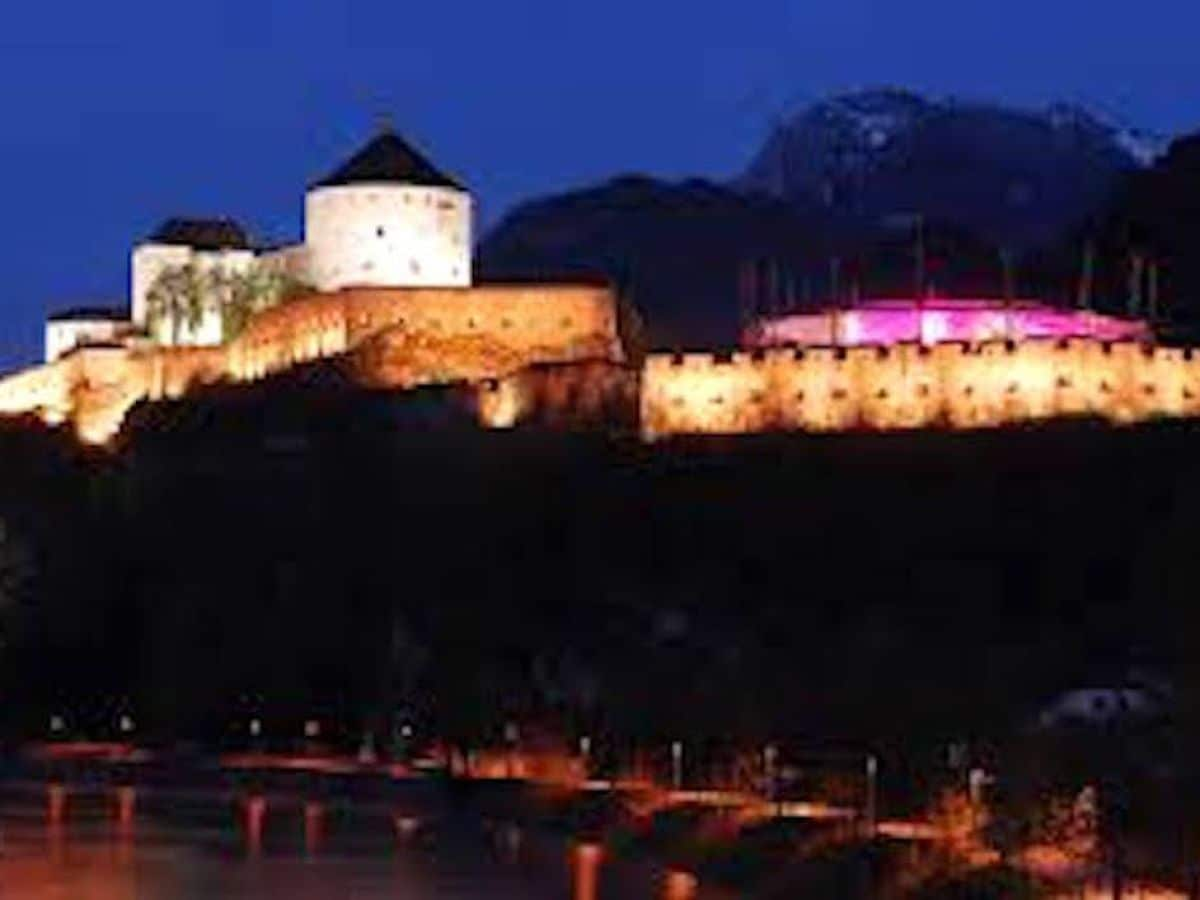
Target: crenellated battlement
{"x":402,"y":338}
{"x":956,"y":385}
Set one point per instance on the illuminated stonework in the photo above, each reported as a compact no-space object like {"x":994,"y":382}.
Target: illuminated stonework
{"x":562,"y":397}
{"x":952,"y":385}
{"x":387,"y":252}
{"x":893,"y":364}
{"x":551,"y":356}
{"x":396,"y":338}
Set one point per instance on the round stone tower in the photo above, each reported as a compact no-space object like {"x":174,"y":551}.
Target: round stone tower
{"x":388,"y":218}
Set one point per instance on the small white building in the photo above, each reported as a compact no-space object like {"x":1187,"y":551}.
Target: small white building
{"x":85,"y":327}
{"x":209,"y":245}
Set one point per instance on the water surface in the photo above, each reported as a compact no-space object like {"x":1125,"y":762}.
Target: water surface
{"x":111,"y":843}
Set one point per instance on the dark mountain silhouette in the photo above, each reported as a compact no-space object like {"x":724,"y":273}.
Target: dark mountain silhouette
{"x":675,"y":249}
{"x":1017,"y":178}
{"x":683,"y":252}
{"x":848,"y":179}
{"x":1154,"y":216}
{"x":1157,"y":214}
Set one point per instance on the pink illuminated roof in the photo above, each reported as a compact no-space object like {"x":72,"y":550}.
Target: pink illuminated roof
{"x":933,"y":321}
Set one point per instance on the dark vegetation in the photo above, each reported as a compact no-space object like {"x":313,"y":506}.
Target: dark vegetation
{"x":303,"y":548}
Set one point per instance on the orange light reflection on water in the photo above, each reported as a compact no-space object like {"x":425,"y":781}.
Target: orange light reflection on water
{"x":586,"y":869}
{"x":256,"y":812}
{"x":314,"y":814}
{"x":679,"y":886}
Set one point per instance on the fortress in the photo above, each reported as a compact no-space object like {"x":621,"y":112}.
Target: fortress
{"x":383,"y":283}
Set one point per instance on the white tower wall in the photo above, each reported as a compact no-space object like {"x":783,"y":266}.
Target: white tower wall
{"x":388,"y":235}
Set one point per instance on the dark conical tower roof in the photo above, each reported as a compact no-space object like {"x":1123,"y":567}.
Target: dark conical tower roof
{"x":201,"y":234}
{"x":388,"y":158}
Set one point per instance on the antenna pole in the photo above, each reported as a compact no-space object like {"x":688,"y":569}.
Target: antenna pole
{"x":919,"y":274}
{"x":1152,"y":292}
{"x":1137,"y":265}
{"x":772,"y":287}
{"x":1087,"y":275}
{"x":1006,"y":261}
{"x":752,"y":290}
{"x":743,"y":292}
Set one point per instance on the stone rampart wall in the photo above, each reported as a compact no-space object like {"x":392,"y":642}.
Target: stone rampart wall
{"x":396,"y":337}
{"x":909,"y":386}
{"x":555,"y":323}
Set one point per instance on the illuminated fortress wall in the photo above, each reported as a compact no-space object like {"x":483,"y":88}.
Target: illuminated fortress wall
{"x":585,"y":396}
{"x":909,"y":386}
{"x":413,"y":336}
{"x":521,"y":346}
{"x":391,"y":338}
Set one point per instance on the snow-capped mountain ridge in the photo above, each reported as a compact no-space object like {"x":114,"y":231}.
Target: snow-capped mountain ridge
{"x":1017,"y":176}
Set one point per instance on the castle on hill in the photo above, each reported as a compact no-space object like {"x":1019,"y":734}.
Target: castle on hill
{"x":382,"y":286}
{"x":382,"y":282}
{"x":387,"y":217}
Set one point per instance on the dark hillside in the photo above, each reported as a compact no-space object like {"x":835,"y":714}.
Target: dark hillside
{"x":336,"y":554}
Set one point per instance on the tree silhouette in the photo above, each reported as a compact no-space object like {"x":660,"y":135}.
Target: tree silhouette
{"x":181,"y":295}
{"x":16,"y":571}
{"x":176,"y":299}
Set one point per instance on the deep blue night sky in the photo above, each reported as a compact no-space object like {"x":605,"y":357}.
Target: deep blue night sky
{"x":118,"y":114}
